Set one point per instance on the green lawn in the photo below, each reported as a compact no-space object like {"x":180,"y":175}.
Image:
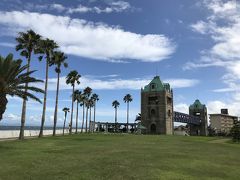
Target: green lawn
{"x":98,"y":156}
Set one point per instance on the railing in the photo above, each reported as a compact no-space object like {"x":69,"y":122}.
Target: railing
{"x":186,"y":118}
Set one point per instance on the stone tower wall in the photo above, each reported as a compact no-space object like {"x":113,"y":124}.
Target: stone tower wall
{"x":202,"y":128}
{"x":157,"y":109}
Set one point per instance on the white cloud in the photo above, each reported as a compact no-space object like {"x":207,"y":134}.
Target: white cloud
{"x":222,"y":9}
{"x":181,"y":107}
{"x":201,"y":27}
{"x":7,"y":44}
{"x":11,"y":117}
{"x":118,"y":6}
{"x":79,"y":9}
{"x":118,"y":83}
{"x":182,"y":83}
{"x":91,"y":40}
{"x":57,"y":7}
{"x":223,"y":27}
{"x":224,"y":90}
{"x":107,"y":114}
{"x":111,"y":7}
{"x":214,"y":107}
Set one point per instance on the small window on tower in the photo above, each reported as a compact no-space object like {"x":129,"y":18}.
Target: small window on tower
{"x":169,"y":113}
{"x":153,"y":86}
{"x":153,"y":112}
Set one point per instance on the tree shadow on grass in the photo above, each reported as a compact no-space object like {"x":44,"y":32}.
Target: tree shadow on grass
{"x":84,"y":139}
{"x":4,"y":147}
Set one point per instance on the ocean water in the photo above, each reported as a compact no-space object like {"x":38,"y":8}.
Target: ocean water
{"x":13,"y":131}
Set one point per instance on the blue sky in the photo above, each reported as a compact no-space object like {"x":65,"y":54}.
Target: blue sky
{"x":119,"y":46}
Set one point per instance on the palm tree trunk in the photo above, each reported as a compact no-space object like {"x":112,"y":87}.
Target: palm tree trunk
{"x":127,"y":114}
{"x":3,"y":104}
{"x":115,"y":119}
{"x":86,"y":124}
{"x":70,"y":129}
{"x":56,"y":107}
{"x":82,"y":119}
{"x":77,"y":119}
{"x":44,"y":101}
{"x":24,"y":105}
{"x":94,"y":116}
{"x":90,"y":119}
{"x":64,"y":122}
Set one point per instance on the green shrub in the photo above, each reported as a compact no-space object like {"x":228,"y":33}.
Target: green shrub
{"x":235,"y":132}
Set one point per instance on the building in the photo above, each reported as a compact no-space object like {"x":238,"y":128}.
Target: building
{"x":157,"y":107}
{"x":223,"y":122}
{"x":200,"y":110}
{"x":181,"y":130}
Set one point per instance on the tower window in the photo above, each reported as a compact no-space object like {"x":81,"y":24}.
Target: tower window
{"x":153,"y":112}
{"x":153,"y":86}
{"x":169,"y":113}
{"x":169,"y":100}
{"x":152,"y":100}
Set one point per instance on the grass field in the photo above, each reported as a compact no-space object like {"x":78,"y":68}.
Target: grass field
{"x":98,"y":156}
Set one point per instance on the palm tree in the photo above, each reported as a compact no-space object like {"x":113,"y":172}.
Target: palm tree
{"x":87,"y":92}
{"x":95,"y":99}
{"x":27,"y":44}
{"x":13,"y":82}
{"x":47,"y":47}
{"x":82,"y":103}
{"x":127,"y":99}
{"x":58,"y":59}
{"x":72,"y":78}
{"x":87,"y":104}
{"x":77,"y":96}
{"x":115,"y":104}
{"x":65,"y":110}
{"x":91,"y":104}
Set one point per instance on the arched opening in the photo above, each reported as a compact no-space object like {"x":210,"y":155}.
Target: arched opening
{"x":169,"y":113}
{"x":153,"y":128}
{"x":153,"y":86}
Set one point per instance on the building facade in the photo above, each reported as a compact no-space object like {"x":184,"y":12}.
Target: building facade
{"x":157,"y":107}
{"x":223,"y":122}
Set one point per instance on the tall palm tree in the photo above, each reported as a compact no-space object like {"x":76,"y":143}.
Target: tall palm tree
{"x":127,"y":99}
{"x":91,"y":104}
{"x":115,"y":104}
{"x":13,"y":81}
{"x":65,"y":110}
{"x":95,"y":99}
{"x":58,"y":59}
{"x":77,"y":96}
{"x":82,"y":100}
{"x":47,"y":47}
{"x":27,"y":44}
{"x":87,"y":104}
{"x":87,"y":92}
{"x":72,"y":78}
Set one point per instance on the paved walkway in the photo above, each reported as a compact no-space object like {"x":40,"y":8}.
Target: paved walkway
{"x":220,"y":141}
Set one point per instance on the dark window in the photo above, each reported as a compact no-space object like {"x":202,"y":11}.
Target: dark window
{"x":169,"y":113}
{"x":153,"y":86}
{"x":152,"y":100}
{"x":169,"y":100}
{"x":153,"y":112}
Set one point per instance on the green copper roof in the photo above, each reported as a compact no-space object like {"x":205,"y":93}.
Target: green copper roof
{"x":156,"y":85}
{"x":197,"y":105}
